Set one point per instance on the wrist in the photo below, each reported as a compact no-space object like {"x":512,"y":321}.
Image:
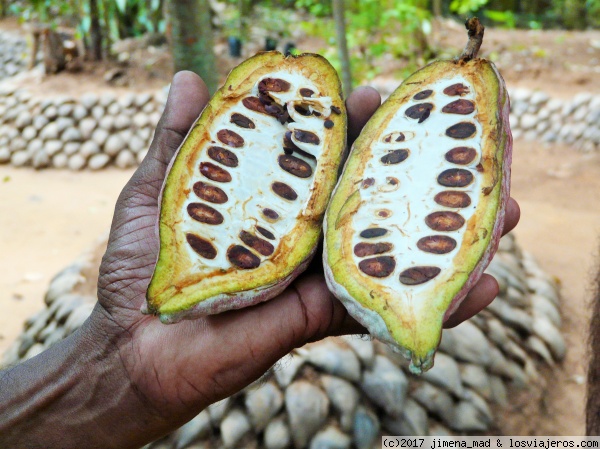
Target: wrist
{"x":76,"y":394}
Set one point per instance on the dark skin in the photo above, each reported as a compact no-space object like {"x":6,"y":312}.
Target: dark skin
{"x":124,"y":379}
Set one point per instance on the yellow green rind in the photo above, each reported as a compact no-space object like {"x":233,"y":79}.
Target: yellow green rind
{"x":175,"y":288}
{"x":415,"y":329}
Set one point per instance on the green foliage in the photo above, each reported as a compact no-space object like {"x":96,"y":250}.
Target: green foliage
{"x":315,"y":8}
{"x":463,"y":7}
{"x":377,"y":29}
{"x":505,"y":19}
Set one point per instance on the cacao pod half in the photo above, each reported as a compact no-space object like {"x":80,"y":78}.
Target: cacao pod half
{"x":419,"y":209}
{"x":243,"y":202}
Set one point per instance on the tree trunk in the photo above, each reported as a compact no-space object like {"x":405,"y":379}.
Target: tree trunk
{"x":593,"y":378}
{"x":95,"y":32}
{"x":191,"y":39}
{"x":574,"y":14}
{"x":437,"y":8}
{"x":342,"y":44}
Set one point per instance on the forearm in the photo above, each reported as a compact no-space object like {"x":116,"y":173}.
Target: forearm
{"x":76,"y":394}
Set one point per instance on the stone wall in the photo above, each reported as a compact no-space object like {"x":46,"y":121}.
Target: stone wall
{"x":92,"y":131}
{"x":346,"y":392}
{"x":14,"y":54}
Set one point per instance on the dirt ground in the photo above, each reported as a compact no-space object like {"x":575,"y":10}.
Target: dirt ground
{"x":48,"y":218}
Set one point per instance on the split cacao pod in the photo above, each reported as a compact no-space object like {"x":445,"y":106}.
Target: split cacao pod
{"x":419,"y":209}
{"x":243,"y":202}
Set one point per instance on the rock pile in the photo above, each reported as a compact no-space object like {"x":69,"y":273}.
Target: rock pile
{"x":92,"y":131}
{"x":346,"y":392}
{"x":13,"y":54}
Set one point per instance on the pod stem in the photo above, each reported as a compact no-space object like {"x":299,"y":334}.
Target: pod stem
{"x":475,"y":29}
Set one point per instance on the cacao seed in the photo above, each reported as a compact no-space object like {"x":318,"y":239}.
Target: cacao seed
{"x":242,"y":257}
{"x":214,"y":173}
{"x":242,"y":121}
{"x":210,"y":193}
{"x":444,"y":221}
{"x":259,"y":245}
{"x":270,"y":214}
{"x":306,"y":92}
{"x":395,"y":157}
{"x":378,"y":267}
{"x":462,"y":107}
{"x":230,"y":138}
{"x":462,"y":130}
{"x":372,"y":233}
{"x":418,"y":275}
{"x":306,"y":137}
{"x":423,"y":94}
{"x":284,"y":191}
{"x":223,"y":156}
{"x":295,"y":166}
{"x":457,"y":89}
{"x":364,"y":249}
{"x":395,"y":136}
{"x":461,"y":155}
{"x":336,"y":110}
{"x":202,"y":246}
{"x":265,"y":233}
{"x":273,"y":85}
{"x":437,"y":244}
{"x":419,"y":111}
{"x":328,"y":124}
{"x":450,"y":198}
{"x":254,"y":104}
{"x":204,"y":214}
{"x":455,"y":177}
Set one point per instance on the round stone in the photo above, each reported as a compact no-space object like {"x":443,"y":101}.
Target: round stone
{"x":148,"y":108}
{"x":50,"y":131}
{"x":89,"y":148}
{"x":71,"y":148}
{"x":136,"y":144}
{"x":35,"y":145}
{"x":20,"y":158}
{"x":29,"y":133}
{"x":107,"y":99}
{"x":76,"y":162}
{"x":23,"y":119}
{"x":40,"y":160}
{"x":51,"y":112}
{"x":107,"y":122}
{"x":71,"y":134}
{"x":154,"y":118}
{"x":65,"y":110}
{"x":39,"y":121}
{"x":127,"y":100}
{"x":87,"y":127}
{"x":141,"y":155}
{"x":89,"y":100}
{"x":122,"y":121}
{"x":98,"y":161}
{"x":79,"y":112}
{"x":125,"y":159}
{"x":114,"y":144}
{"x":17,"y":144}
{"x":51,"y":147}
{"x":97,"y":112}
{"x":142,"y":98}
{"x":144,"y":133}
{"x":114,"y":109}
{"x":63,"y":123}
{"x":4,"y":155}
{"x":99,"y":136}
{"x":140,"y":120}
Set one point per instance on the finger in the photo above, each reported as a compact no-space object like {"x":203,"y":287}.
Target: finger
{"x":187,"y":97}
{"x":513,"y":214}
{"x":480,"y":296}
{"x":361,"y":105}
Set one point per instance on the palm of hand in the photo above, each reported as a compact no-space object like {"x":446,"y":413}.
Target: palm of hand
{"x":179,"y":369}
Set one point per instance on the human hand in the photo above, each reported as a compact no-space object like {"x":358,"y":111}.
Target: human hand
{"x":182,"y":368}
{"x":143,"y":379}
